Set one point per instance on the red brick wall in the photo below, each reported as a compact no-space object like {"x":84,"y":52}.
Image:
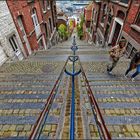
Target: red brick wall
{"x":100,"y":17}
{"x":131,"y":18}
{"x":21,"y":7}
{"x":48,"y":14}
{"x":96,"y":7}
{"x":116,"y":8}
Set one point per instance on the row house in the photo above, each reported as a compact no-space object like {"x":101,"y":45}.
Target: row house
{"x":62,"y":18}
{"x":49,"y":15}
{"x":131,"y":29}
{"x":116,"y":19}
{"x":95,"y":20}
{"x":11,"y":47}
{"x":111,"y":16}
{"x":88,"y":14}
{"x":28,"y":20}
{"x":87,"y":26}
{"x":35,"y":21}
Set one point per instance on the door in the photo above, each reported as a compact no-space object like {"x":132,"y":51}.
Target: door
{"x":106,"y":32}
{"x":36,"y":23}
{"x":24,"y":34}
{"x":41,"y":43}
{"x":116,"y":33}
{"x":15,"y":47}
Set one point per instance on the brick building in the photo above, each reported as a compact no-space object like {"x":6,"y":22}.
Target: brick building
{"x":131,"y":29}
{"x":49,"y":15}
{"x":112,"y":17}
{"x":10,"y":44}
{"x":88,"y":14}
{"x":95,"y":19}
{"x":115,"y":20}
{"x":28,"y":18}
{"x":62,"y":18}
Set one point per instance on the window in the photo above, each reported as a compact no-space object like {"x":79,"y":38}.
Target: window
{"x":133,"y":52}
{"x":30,"y":1}
{"x":130,"y":50}
{"x":48,"y":4}
{"x":124,"y":1}
{"x":13,"y":43}
{"x":34,"y":17}
{"x":20,"y":23}
{"x":138,"y":19}
{"x":36,"y":23}
{"x":104,"y":13}
{"x":95,"y":17}
{"x":46,"y":30}
{"x":109,"y":16}
{"x":50,"y":24}
{"x":40,"y":44}
{"x":44,"y":5}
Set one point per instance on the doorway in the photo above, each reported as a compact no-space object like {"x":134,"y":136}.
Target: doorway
{"x":116,"y":34}
{"x":115,"y":31}
{"x":21,"y":26}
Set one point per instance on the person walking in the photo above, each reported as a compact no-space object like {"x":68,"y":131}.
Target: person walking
{"x":135,"y":63}
{"x":116,"y":53}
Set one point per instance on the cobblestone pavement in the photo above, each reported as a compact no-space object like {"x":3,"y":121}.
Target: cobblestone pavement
{"x":25,"y":87}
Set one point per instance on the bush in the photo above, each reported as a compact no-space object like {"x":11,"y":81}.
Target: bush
{"x":62,"y":30}
{"x":80,"y":27}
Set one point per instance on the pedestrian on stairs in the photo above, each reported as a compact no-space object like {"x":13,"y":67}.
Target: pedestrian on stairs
{"x":135,"y":63}
{"x":116,"y":53}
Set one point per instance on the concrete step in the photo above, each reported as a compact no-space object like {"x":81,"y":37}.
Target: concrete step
{"x":119,"y":101}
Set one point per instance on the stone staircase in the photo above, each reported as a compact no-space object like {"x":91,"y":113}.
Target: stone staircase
{"x":22,"y":97}
{"x":25,"y":87}
{"x":119,"y":101}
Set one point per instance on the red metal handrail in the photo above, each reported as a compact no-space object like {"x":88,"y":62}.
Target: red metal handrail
{"x":100,"y":120}
{"x":46,"y":108}
{"x":93,"y":102}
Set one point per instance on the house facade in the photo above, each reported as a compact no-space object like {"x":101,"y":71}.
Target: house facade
{"x":131,"y":29}
{"x":49,"y":15}
{"x":28,"y":19}
{"x":10,"y":43}
{"x":115,"y":20}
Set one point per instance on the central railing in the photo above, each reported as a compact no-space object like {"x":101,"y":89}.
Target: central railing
{"x":100,"y":124}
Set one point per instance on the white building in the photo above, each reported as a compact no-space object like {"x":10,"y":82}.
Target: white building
{"x":10,"y":44}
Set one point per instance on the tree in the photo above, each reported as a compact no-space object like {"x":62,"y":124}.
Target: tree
{"x":62,"y":30}
{"x":80,"y":27}
{"x":71,"y":24}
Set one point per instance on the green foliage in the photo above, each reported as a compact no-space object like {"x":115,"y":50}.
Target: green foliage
{"x":80,"y":27}
{"x":82,"y":19}
{"x":79,"y":31}
{"x":71,"y":24}
{"x":89,"y":30}
{"x":62,"y":30}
